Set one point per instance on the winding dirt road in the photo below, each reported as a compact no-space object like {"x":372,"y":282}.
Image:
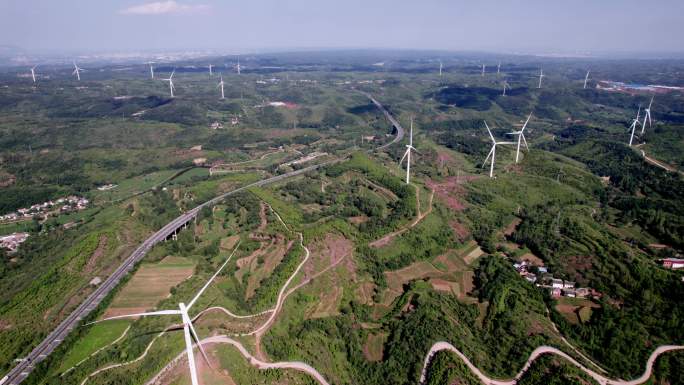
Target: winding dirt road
{"x":602,"y":380}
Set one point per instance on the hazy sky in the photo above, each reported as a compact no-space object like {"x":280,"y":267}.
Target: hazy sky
{"x":502,"y":25}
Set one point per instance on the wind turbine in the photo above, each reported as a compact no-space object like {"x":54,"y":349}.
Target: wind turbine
{"x":492,"y":152}
{"x":440,"y":68}
{"x":505,"y":85}
{"x":647,"y":116}
{"x":188,"y":329}
{"x":77,"y":71}
{"x":238,"y":65}
{"x":33,"y":72}
{"x":210,"y":71}
{"x":633,"y":126}
{"x":586,"y":79}
{"x":521,"y":137}
{"x":151,"y":69}
{"x":483,"y":69}
{"x":223,"y":96}
{"x":541,"y":75}
{"x":498,"y":68}
{"x":407,"y":154}
{"x":170,"y":80}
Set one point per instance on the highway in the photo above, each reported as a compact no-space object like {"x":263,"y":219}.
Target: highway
{"x":395,"y":123}
{"x":40,"y":352}
{"x":22,"y":370}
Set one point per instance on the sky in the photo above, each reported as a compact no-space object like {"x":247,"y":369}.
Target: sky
{"x":234,"y":26}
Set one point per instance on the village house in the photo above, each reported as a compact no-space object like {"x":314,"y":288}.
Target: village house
{"x":672,"y":263}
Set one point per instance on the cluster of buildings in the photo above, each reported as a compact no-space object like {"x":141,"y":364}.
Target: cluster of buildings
{"x":11,"y":242}
{"x":540,"y":276}
{"x":42,"y":210}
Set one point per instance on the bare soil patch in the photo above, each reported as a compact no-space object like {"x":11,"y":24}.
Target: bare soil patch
{"x":445,"y":286}
{"x":228,"y":244}
{"x":460,"y":230}
{"x":364,"y":293}
{"x":450,"y":191}
{"x":358,"y":219}
{"x":468,"y":281}
{"x":532,"y":259}
{"x":374,"y":347}
{"x":328,"y":303}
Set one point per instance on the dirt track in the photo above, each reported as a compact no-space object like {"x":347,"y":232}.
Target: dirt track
{"x":442,"y":345}
{"x":387,"y":239}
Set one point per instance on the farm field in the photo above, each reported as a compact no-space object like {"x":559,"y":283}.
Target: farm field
{"x":149,"y":285}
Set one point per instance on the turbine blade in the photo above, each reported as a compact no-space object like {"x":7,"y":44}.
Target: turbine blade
{"x":525,"y":141}
{"x":488,"y":155}
{"x":213,"y":277}
{"x":403,"y":157}
{"x":489,"y":131}
{"x":191,"y":355}
{"x":152,"y":313}
{"x":201,"y":349}
{"x":527,"y":121}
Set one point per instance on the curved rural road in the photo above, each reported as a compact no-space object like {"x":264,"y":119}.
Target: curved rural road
{"x":296,"y":365}
{"x":658,"y":163}
{"x":602,"y":380}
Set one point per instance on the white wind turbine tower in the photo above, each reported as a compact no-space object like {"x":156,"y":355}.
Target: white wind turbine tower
{"x":170,"y":80}
{"x":541,"y":76}
{"x":586,"y":79}
{"x":440,"y":68}
{"x":211,"y":73}
{"x":188,"y":329}
{"x":633,"y":126}
{"x":151,"y":69}
{"x":238,"y":65}
{"x":483,"y":69}
{"x":407,"y":154}
{"x":521,"y":137}
{"x":647,"y":116}
{"x":223,"y":96}
{"x":77,"y":71}
{"x":33,"y":72}
{"x":505,"y":85}
{"x":492,"y":152}
{"x":498,"y":68}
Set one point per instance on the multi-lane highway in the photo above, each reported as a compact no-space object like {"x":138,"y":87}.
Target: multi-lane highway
{"x":392,"y":119}
{"x":40,"y":352}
